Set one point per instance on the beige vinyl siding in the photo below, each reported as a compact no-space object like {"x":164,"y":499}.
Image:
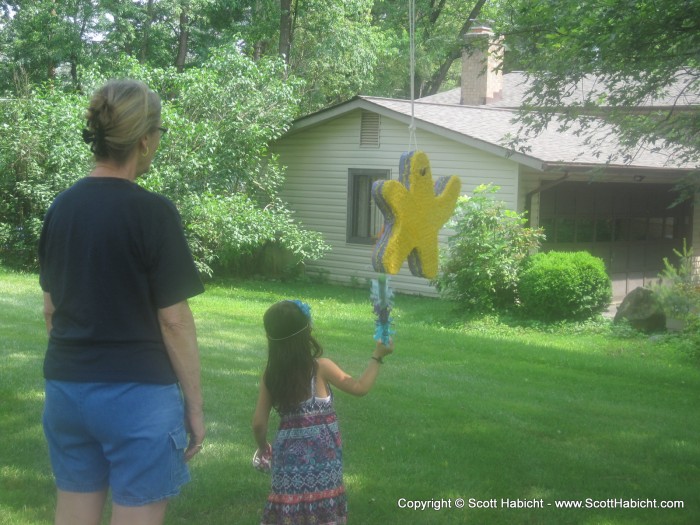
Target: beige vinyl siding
{"x":317,"y":161}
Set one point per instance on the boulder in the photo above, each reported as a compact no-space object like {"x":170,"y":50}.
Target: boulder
{"x":642,"y":311}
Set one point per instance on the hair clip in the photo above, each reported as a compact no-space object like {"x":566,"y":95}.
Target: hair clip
{"x":88,"y":136}
{"x":92,"y":136}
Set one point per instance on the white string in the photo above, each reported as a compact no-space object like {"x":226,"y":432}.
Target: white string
{"x":412,"y":43}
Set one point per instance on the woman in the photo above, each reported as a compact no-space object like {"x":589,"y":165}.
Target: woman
{"x":116,"y":273}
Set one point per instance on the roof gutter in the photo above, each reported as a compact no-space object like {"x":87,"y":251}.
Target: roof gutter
{"x":588,"y":167}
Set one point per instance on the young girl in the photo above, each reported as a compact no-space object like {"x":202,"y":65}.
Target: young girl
{"x":307,"y":456}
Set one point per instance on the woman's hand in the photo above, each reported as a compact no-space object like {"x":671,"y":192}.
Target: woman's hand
{"x":194,"y":422}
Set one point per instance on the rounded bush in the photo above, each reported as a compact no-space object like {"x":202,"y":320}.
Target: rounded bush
{"x":564,"y":285}
{"x":480,"y":265}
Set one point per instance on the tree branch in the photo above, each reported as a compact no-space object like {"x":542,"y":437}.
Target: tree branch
{"x":436,"y":81}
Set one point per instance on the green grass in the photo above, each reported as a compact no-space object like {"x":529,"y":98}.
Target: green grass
{"x":477,"y":410}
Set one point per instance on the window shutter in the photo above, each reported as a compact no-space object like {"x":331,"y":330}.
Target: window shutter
{"x":369,"y":130}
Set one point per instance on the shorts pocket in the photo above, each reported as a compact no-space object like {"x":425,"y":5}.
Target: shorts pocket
{"x":179,"y":472}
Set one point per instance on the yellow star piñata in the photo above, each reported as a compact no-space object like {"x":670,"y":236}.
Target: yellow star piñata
{"x":414,"y":211}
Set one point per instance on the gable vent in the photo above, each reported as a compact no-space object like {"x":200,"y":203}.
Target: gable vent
{"x":369,"y":130}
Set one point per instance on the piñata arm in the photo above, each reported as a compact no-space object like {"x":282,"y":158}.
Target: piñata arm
{"x":423,"y":260}
{"x":447,"y":191}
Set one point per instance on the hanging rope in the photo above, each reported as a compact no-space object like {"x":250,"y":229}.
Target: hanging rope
{"x":412,"y":141}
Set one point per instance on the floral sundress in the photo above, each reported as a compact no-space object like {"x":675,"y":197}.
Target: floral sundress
{"x":307,"y":467}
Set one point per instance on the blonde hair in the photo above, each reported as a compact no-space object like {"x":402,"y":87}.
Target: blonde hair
{"x":119,"y":114}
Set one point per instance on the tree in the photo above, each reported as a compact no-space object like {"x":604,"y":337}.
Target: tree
{"x":40,"y":155}
{"x":455,"y":52}
{"x":214,"y":163}
{"x":161,"y":33}
{"x":39,"y":36}
{"x":331,"y":44}
{"x":341,"y":48}
{"x":440,"y":27}
{"x":638,"y":50}
{"x":335,"y":50}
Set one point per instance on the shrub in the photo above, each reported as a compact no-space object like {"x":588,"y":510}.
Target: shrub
{"x":229,"y":233}
{"x":41,"y":153}
{"x":689,"y":338}
{"x":214,"y":164}
{"x":677,"y":288}
{"x":481,"y":263}
{"x":564,"y":285}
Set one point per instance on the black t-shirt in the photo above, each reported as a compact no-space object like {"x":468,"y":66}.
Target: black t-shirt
{"x":111,"y":254}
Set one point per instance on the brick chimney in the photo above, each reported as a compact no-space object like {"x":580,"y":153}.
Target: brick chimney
{"x":482,"y":80}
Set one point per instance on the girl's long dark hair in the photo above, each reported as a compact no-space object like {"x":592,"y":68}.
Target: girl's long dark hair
{"x":292,"y":353}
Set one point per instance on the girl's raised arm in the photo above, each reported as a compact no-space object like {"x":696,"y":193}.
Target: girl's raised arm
{"x":334,"y":375}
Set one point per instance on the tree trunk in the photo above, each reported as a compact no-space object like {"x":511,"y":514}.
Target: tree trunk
{"x":146,"y":41}
{"x":78,"y":53}
{"x":182,"y":44}
{"x":50,"y":63}
{"x":285,"y":29}
{"x":260,"y":46}
{"x":74,"y":70}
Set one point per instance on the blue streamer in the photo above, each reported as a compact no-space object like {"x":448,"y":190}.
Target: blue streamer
{"x":382,"y":298}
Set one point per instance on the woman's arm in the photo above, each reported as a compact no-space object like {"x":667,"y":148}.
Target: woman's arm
{"x":180,"y":338}
{"x":334,"y":375}
{"x":262,"y":417}
{"x":49,"y":309}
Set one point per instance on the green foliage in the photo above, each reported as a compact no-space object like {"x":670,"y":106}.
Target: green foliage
{"x":439,"y":39}
{"x":679,"y":288}
{"x":335,"y":49}
{"x":335,"y":46}
{"x":46,"y":40}
{"x":564,"y":285}
{"x":689,"y":338}
{"x":226,"y":232}
{"x":214,"y":163}
{"x":36,"y":36}
{"x":41,"y":153}
{"x":482,"y":261}
{"x":638,"y":51}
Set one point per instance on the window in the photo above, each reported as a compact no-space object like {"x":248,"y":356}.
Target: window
{"x":365,"y":221}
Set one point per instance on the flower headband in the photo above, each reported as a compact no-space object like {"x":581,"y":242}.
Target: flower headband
{"x":306,"y":310}
{"x":304,"y":307}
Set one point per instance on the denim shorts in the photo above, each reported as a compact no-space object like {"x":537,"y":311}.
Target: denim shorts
{"x":129,"y":437}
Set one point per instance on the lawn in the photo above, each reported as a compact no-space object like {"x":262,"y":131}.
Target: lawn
{"x":489,"y":413}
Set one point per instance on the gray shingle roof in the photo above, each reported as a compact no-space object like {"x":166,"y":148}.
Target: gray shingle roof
{"x":516,"y":84}
{"x":490,"y":128}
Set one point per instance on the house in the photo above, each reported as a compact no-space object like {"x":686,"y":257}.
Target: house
{"x":586,"y":198}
